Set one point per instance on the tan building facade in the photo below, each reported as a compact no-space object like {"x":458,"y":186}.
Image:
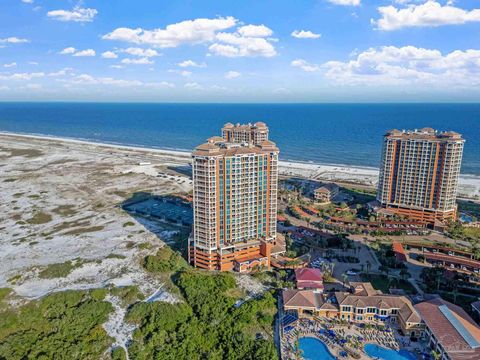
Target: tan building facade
{"x":364,"y":308}
{"x":419,"y":174}
{"x":235,"y":201}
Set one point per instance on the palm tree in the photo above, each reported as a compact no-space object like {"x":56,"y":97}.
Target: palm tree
{"x":435,"y":355}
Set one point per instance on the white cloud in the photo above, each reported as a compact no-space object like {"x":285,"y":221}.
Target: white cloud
{"x":224,"y":50}
{"x":232,"y":75}
{"x":431,"y":14}
{"x":109,"y":55}
{"x":135,"y":51}
{"x":13,"y":64}
{"x":185,"y":32}
{"x":191,"y":63}
{"x":161,"y":84}
{"x":391,"y":65}
{"x":33,"y":63}
{"x":63,"y":72}
{"x":69,"y":79}
{"x":27,"y":1}
{"x":305,"y":66}
{"x":68,"y":50}
{"x":77,"y":14}
{"x":13,"y":40}
{"x":193,"y":86}
{"x":345,"y":2}
{"x":87,"y":52}
{"x":85,"y":79}
{"x":140,"y":61}
{"x":237,"y":45}
{"x":22,"y":76}
{"x":74,"y":52}
{"x":305,"y":34}
{"x":248,"y":40}
{"x":183,"y":73}
{"x":255,"y":31}
{"x":117,"y":66}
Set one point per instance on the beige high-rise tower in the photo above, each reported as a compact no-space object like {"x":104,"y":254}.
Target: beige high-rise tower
{"x":419,"y":174}
{"x":235,"y":184}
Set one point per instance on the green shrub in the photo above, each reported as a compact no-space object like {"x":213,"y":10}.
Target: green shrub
{"x":128,"y":294}
{"x":166,"y":260}
{"x":206,"y":326}
{"x":64,"y":325}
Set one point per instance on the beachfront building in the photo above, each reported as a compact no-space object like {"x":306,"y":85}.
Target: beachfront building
{"x":363,"y":306}
{"x":449,"y":330}
{"x":419,"y":174}
{"x":235,"y":184}
{"x":326,"y":193}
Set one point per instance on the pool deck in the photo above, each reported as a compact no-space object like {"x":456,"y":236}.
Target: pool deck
{"x":311,"y":328}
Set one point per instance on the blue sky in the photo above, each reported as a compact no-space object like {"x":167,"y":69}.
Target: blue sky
{"x":240,"y":51}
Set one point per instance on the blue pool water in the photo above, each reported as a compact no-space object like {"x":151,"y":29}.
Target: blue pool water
{"x":314,"y":349}
{"x":378,"y":352}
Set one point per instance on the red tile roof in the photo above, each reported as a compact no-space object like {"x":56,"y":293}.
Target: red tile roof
{"x":445,"y":331}
{"x":308,"y":274}
{"x":399,"y":251}
{"x":309,"y":285}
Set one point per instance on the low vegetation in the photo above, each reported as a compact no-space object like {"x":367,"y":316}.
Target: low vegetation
{"x":40,"y":218}
{"x":127,"y":294}
{"x":65,"y":325}
{"x":56,"y":270}
{"x":166,"y":260}
{"x":60,"y":270}
{"x":206,"y":326}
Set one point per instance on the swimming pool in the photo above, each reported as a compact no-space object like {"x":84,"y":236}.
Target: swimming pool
{"x":314,"y":349}
{"x":378,"y":352}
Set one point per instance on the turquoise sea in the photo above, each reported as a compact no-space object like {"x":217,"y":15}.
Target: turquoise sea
{"x":347,"y":134}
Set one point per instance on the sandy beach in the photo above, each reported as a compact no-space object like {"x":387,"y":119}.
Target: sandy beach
{"x":60,"y":201}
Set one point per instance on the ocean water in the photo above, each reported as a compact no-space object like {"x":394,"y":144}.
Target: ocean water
{"x":347,"y":134}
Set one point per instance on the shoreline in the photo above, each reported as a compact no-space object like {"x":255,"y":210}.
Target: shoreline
{"x":363,"y":176}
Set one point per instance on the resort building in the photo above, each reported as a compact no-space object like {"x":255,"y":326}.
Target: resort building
{"x":364,"y":306}
{"x":450,"y":331}
{"x":235,"y":184}
{"x":309,"y":278}
{"x":326,"y":193}
{"x":419,"y":174}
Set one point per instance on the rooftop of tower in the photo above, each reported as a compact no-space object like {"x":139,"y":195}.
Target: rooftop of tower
{"x":258,"y":125}
{"x":219,"y":146}
{"x":424,"y":134}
